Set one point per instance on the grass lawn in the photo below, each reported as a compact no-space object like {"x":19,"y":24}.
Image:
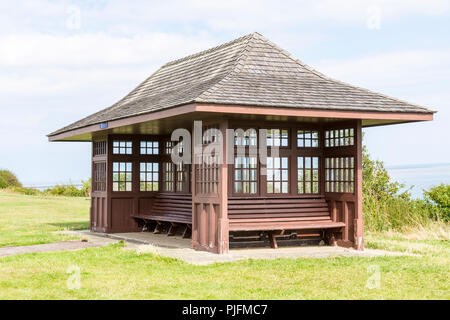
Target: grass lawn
{"x":26,"y":220}
{"x":113,"y":272}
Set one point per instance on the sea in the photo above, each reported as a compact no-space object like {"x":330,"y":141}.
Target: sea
{"x":420,"y":177}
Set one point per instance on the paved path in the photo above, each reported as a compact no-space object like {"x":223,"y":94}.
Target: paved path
{"x":57,"y":246}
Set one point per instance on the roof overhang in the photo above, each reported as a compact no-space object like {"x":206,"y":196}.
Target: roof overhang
{"x":158,"y":121}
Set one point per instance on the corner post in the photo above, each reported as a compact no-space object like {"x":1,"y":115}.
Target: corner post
{"x":223,"y":223}
{"x":358,"y":222}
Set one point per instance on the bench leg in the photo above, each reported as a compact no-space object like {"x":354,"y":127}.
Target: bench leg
{"x":157,"y":228}
{"x":172,"y":229}
{"x":273,"y":240}
{"x":331,"y":239}
{"x":186,"y":232}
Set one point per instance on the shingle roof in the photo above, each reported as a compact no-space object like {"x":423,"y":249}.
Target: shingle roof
{"x":250,"y":70}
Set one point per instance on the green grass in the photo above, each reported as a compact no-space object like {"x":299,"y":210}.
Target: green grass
{"x":114,"y":272}
{"x":26,"y":220}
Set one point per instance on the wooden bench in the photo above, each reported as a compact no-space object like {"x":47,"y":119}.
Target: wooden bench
{"x":172,"y":208}
{"x":276,"y":215}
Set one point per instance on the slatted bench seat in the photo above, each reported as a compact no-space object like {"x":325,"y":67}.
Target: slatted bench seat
{"x":280,"y":214}
{"x":172,"y":208}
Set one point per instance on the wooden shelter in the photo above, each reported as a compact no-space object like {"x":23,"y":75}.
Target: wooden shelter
{"x":311,"y":188}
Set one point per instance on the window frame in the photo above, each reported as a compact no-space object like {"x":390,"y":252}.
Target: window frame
{"x":146,"y":172}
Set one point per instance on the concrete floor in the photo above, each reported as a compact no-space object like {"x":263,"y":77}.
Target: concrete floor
{"x":177,"y":247}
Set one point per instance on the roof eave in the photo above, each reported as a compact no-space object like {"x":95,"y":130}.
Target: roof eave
{"x":383,"y":118}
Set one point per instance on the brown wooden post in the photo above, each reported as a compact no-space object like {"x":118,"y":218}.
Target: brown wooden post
{"x":223,"y":223}
{"x":209,"y":207}
{"x":358,"y":222}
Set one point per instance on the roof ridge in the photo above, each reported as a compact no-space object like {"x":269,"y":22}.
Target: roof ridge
{"x":325,"y":77}
{"x":207,"y":50}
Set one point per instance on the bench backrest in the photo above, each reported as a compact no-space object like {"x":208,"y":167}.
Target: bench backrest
{"x":172,"y":204}
{"x":288,"y":207}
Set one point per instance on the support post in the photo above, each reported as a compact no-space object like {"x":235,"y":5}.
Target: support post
{"x":358,"y":224}
{"x":223,"y":224}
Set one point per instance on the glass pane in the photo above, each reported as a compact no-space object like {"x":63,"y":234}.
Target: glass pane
{"x":315,"y":187}
{"x":277,"y":175}
{"x":284,"y":175}
{"x":307,"y":188}
{"x":269,"y":175}
{"x":315,"y":162}
{"x":300,"y":162}
{"x":277,"y":187}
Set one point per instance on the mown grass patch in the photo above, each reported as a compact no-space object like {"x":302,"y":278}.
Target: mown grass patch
{"x":26,"y":220}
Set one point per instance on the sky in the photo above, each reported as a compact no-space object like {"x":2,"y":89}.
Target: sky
{"x":63,"y":60}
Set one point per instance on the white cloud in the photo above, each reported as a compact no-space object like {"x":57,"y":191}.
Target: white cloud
{"x":392,"y":69}
{"x":23,"y":50}
{"x":139,"y":16}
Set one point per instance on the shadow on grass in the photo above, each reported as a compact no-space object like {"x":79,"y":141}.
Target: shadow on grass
{"x":71,"y":225}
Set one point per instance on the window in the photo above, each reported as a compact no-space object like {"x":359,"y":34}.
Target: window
{"x":181,"y":177}
{"x":122,"y":176}
{"x":245,"y":175}
{"x":149,"y":147}
{"x":168,"y":176}
{"x":339,"y":174}
{"x":307,"y":139}
{"x":122,"y":147}
{"x":277,"y":137}
{"x":207,"y":175}
{"x":168,"y":146}
{"x":248,"y":138}
{"x":99,"y":148}
{"x":277,"y":175}
{"x":149,"y":176}
{"x":99,"y":176}
{"x":339,"y":137}
{"x":307,"y":175}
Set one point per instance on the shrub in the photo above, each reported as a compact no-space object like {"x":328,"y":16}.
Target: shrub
{"x":65,"y":190}
{"x":86,"y":188}
{"x":26,"y":191}
{"x":3,"y":183}
{"x":9,"y":179}
{"x":387,"y":207}
{"x":439,"y":198}
{"x":68,"y":190}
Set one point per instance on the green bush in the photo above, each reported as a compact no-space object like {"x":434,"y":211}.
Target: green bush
{"x":26,"y":191}
{"x":3,"y":183}
{"x":68,"y":190}
{"x":387,"y":207}
{"x":8,"y":179}
{"x":439,"y":198}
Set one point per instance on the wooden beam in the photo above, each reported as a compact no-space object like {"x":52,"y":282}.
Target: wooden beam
{"x":314,"y":113}
{"x":79,"y":134}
